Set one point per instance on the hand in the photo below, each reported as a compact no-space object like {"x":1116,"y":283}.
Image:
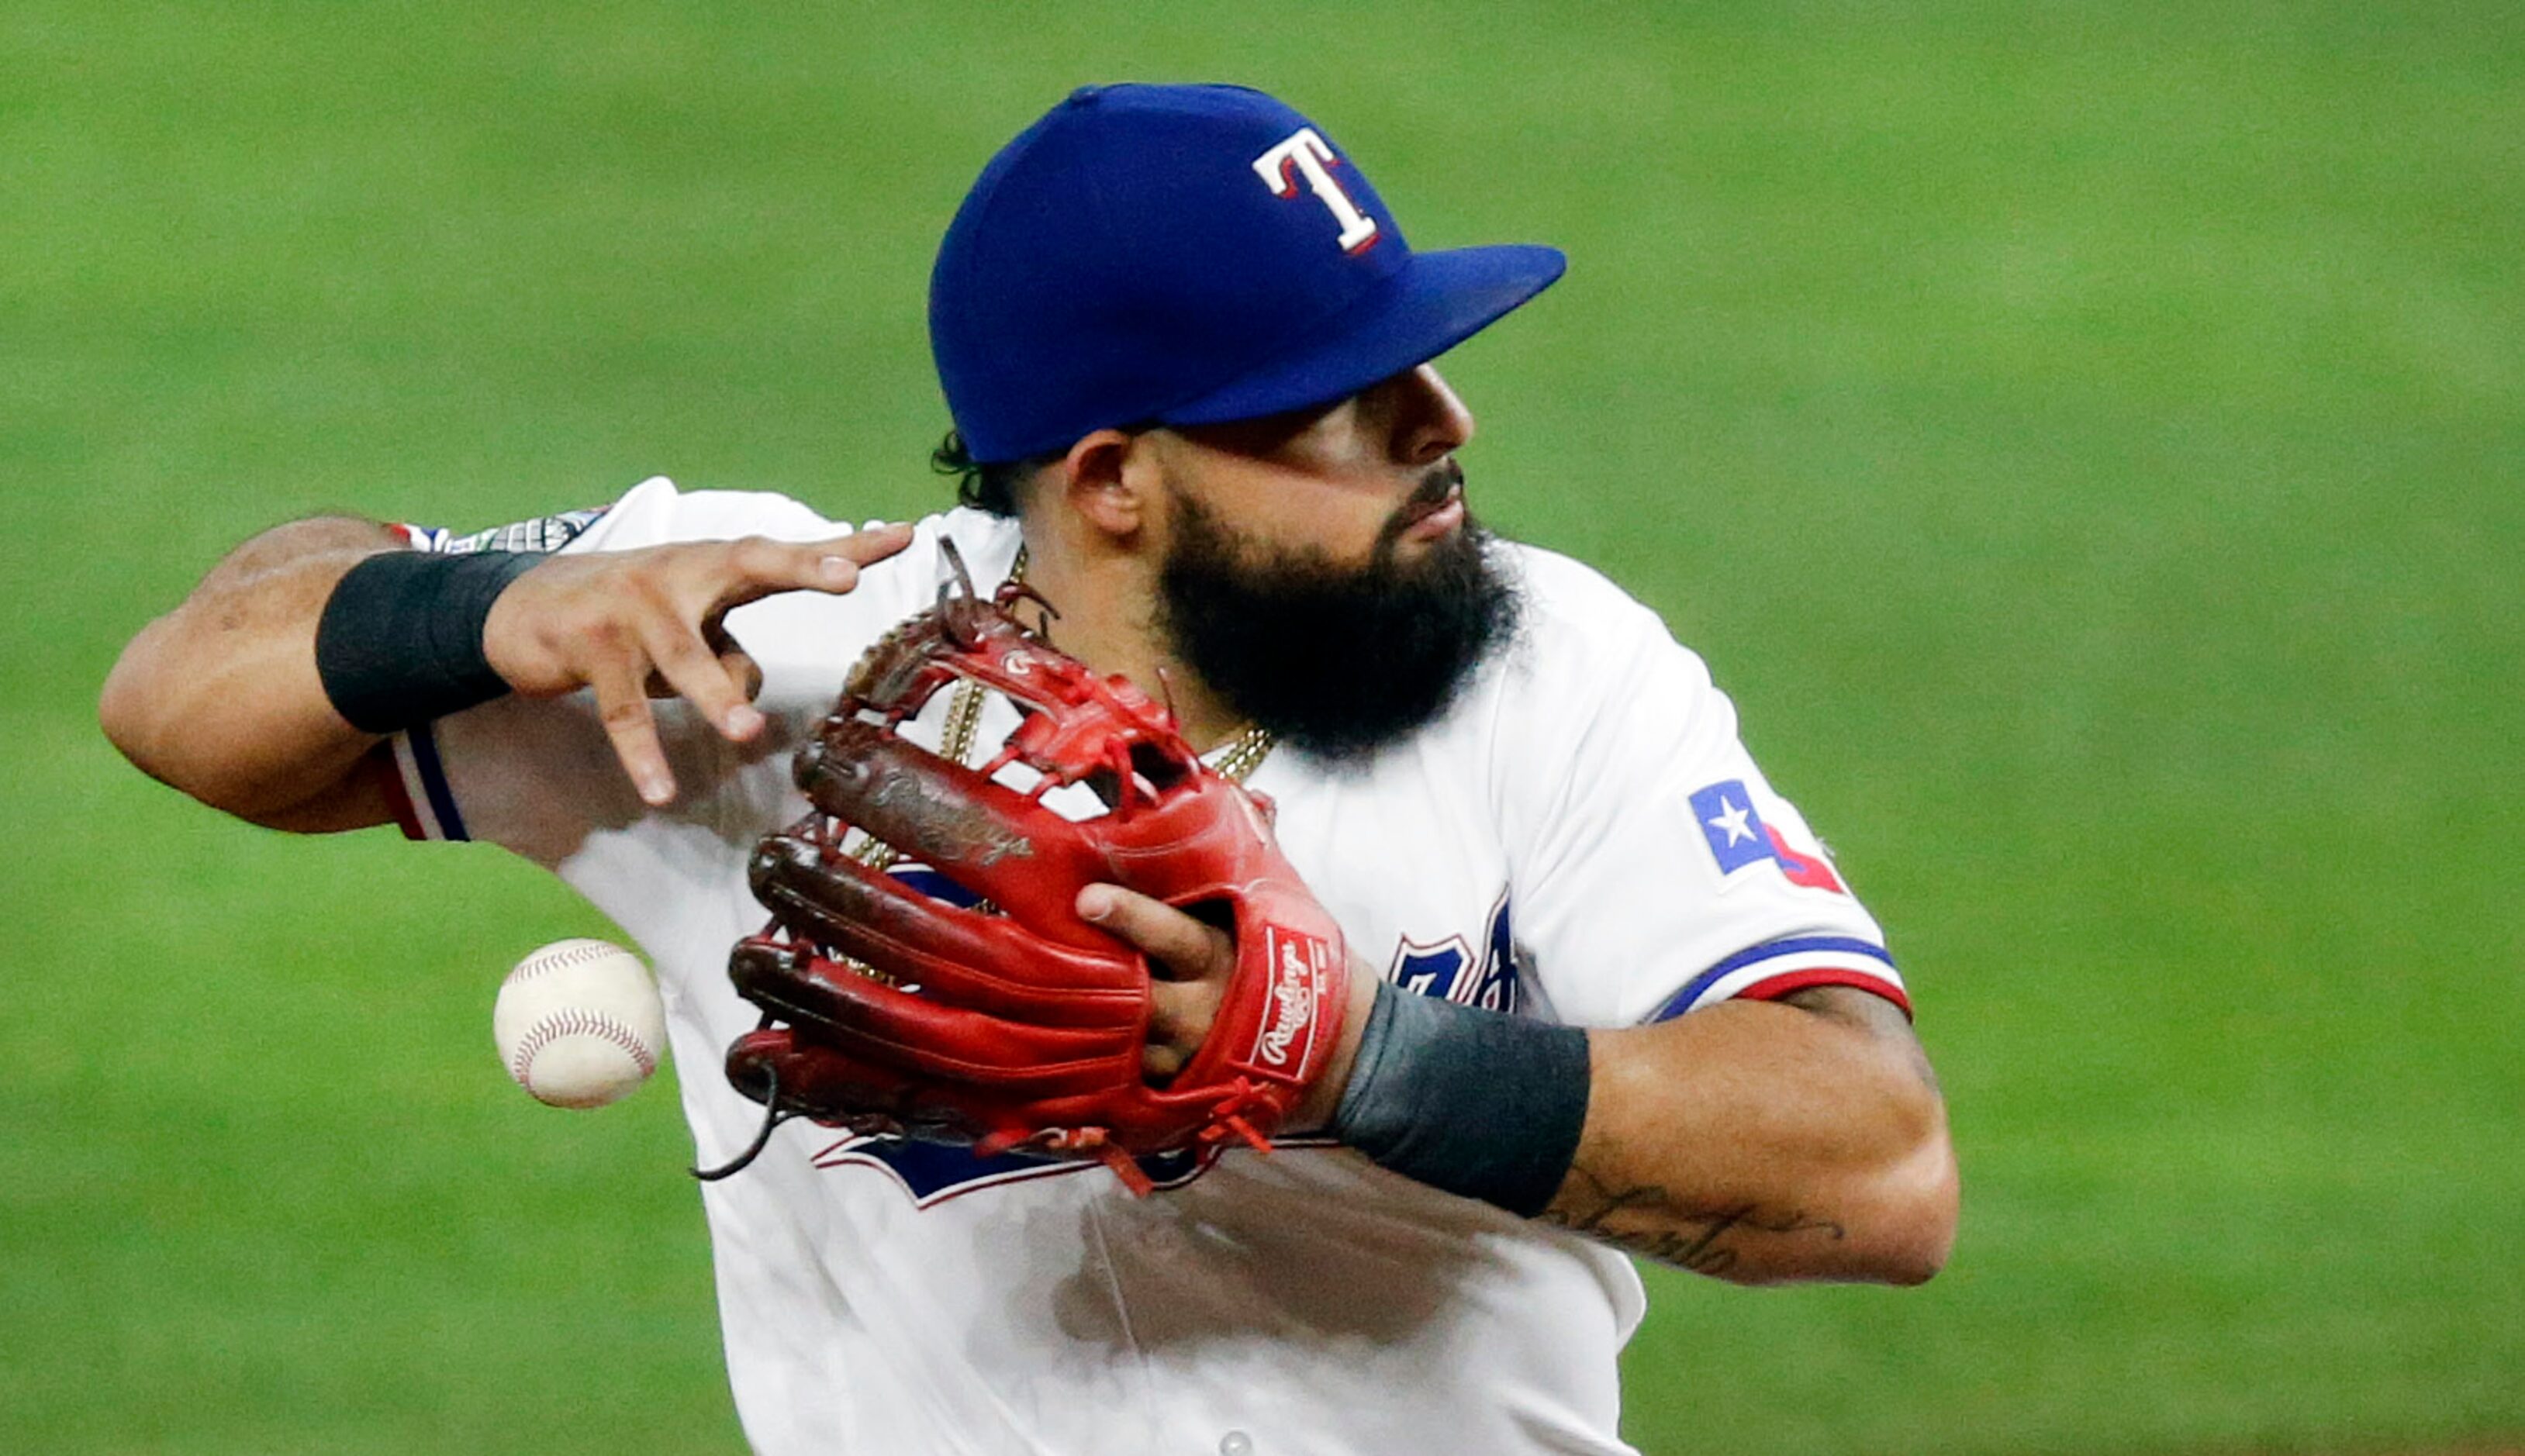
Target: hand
{"x":635,"y":624}
{"x":1191,"y":963}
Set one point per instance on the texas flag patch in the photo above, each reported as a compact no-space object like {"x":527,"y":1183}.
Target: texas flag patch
{"x":1738,"y":836}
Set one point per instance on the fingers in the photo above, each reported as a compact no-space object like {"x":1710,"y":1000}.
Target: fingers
{"x":741,"y":669}
{"x":698,"y":677}
{"x":1186,"y":949}
{"x":875,"y":544}
{"x":623,"y":708}
{"x":695,"y":657}
{"x":1196,"y":959}
{"x":757,"y":566}
{"x":646,"y":622}
{"x":1180,"y":1014}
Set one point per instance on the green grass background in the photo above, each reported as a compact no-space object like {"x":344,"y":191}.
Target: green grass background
{"x":2084,"y":437}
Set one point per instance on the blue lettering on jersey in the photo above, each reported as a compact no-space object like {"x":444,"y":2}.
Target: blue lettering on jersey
{"x":934,"y":1172}
{"x":1449,"y":970}
{"x":1736,"y":834}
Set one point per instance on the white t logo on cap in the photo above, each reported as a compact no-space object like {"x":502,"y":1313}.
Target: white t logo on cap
{"x":1307,"y":152}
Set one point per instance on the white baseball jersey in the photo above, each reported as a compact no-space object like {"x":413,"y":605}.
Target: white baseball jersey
{"x":1580,"y":839}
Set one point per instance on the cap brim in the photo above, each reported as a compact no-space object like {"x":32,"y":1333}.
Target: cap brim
{"x":1434,"y":302}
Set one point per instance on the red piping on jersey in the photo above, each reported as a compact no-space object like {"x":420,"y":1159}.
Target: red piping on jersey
{"x":1772,"y":987}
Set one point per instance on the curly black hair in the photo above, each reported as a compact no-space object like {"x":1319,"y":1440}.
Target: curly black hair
{"x":984,"y":486}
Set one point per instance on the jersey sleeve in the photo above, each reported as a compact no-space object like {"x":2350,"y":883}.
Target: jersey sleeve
{"x":1656,"y":870}
{"x":408,"y":764}
{"x":545,"y":533}
{"x":540,"y":777}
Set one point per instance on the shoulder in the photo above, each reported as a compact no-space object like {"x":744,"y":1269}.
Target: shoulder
{"x":804,"y":640}
{"x":1583,"y":641}
{"x":985,"y":545}
{"x":657,"y":513}
{"x":1592,"y":688}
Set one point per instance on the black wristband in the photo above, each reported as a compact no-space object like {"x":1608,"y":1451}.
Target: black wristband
{"x":1469,"y":1101}
{"x":401,"y":639}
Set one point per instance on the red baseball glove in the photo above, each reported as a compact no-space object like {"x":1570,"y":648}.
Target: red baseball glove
{"x":1017,"y":1024}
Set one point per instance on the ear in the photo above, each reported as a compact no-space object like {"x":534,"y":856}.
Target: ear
{"x":1107,"y":477}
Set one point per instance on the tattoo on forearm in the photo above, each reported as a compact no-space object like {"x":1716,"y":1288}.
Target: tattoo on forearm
{"x":1700,"y":1243}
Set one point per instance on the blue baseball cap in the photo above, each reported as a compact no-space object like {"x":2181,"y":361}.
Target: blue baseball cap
{"x":1186,"y":255}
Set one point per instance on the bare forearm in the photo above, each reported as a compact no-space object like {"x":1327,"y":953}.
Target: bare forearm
{"x":220,"y":696}
{"x":1761,"y":1143}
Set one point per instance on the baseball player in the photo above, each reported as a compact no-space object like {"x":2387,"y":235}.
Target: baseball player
{"x":1609,"y":993}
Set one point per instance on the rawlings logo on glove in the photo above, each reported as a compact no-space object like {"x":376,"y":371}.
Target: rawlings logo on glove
{"x":1295,"y":993}
{"x":1018,"y":1025}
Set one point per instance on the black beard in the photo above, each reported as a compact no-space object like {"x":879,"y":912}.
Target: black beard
{"x":1337,"y":662}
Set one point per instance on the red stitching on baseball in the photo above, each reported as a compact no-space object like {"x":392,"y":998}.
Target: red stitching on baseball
{"x":542,"y":963}
{"x":576,"y":1022}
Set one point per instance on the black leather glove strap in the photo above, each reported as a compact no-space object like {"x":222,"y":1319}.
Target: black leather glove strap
{"x":401,"y":639}
{"x":1471,"y":1101}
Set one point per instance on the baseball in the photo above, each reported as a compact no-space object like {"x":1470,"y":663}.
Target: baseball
{"x":578,"y":1023}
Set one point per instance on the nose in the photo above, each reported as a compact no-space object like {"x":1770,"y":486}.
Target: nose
{"x":1430,"y":422}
